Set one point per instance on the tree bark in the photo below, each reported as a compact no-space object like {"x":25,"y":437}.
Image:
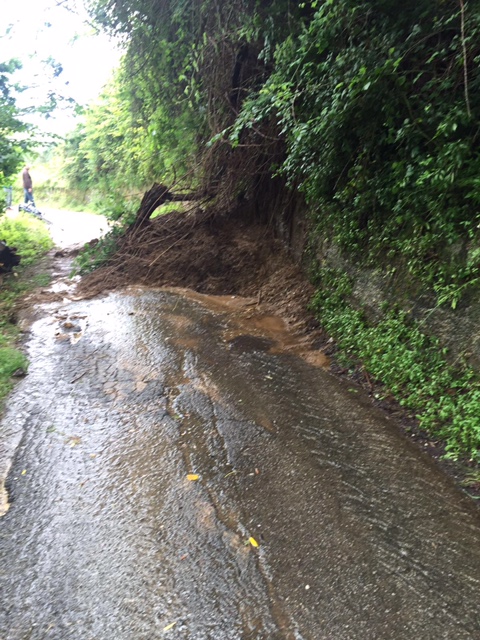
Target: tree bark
{"x":153,"y":198}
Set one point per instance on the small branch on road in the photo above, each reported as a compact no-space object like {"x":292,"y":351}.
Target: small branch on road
{"x":78,"y":377}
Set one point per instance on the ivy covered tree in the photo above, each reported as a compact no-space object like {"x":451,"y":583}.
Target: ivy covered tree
{"x":379,"y":105}
{"x":187,"y":69}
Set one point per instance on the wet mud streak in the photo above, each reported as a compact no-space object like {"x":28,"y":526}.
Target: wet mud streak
{"x":250,"y":327}
{"x":359,"y":535}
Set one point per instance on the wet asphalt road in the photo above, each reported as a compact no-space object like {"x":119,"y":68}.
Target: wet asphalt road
{"x":359,"y":535}
{"x":69,"y":228}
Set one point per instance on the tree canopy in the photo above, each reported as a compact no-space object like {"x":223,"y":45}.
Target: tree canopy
{"x":12,"y":146}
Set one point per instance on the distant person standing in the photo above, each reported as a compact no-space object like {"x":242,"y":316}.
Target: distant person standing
{"x":27,"y":185}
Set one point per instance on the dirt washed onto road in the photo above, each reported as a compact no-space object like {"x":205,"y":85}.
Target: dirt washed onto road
{"x":214,"y":255}
{"x":181,"y":470}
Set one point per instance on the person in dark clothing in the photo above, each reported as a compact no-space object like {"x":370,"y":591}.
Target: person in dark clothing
{"x":27,"y":185}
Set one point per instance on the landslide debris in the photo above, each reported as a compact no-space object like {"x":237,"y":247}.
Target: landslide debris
{"x":217,"y":255}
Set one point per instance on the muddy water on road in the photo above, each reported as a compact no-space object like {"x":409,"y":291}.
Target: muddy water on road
{"x":106,"y":538}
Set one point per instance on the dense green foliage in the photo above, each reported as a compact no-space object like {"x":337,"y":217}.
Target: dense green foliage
{"x":380,"y":105}
{"x":129,"y":138}
{"x":172,"y":95}
{"x":28,"y":234}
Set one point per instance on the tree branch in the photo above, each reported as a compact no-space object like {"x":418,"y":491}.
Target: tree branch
{"x":464,"y":49}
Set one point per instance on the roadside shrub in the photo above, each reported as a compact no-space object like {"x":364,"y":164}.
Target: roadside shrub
{"x":93,"y":256}
{"x":28,"y":234}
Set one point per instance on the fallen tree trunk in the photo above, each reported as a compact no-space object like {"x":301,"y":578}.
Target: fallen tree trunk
{"x":153,"y":198}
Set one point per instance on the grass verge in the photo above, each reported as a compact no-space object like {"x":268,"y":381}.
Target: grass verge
{"x":32,"y":240}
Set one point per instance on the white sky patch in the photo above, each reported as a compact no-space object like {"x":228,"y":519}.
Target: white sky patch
{"x":37,"y":30}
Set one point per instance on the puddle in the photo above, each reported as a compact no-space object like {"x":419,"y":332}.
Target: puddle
{"x":250,"y":343}
{"x":71,"y":327}
{"x":64,"y":284}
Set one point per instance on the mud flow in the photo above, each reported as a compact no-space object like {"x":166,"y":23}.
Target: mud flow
{"x":180,"y":466}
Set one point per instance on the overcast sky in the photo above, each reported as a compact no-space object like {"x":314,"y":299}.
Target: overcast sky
{"x":35,"y":30}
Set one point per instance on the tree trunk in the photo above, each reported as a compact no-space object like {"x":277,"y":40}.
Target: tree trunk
{"x":153,"y":198}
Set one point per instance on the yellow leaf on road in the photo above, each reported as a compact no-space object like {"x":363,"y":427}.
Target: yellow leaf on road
{"x":253,"y":542}
{"x":192,"y":476}
{"x":24,"y":472}
{"x":169,"y":626}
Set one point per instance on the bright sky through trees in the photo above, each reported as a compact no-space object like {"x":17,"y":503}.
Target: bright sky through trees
{"x":46,"y":37}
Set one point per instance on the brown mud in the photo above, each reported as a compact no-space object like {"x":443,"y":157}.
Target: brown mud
{"x":217,"y":256}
